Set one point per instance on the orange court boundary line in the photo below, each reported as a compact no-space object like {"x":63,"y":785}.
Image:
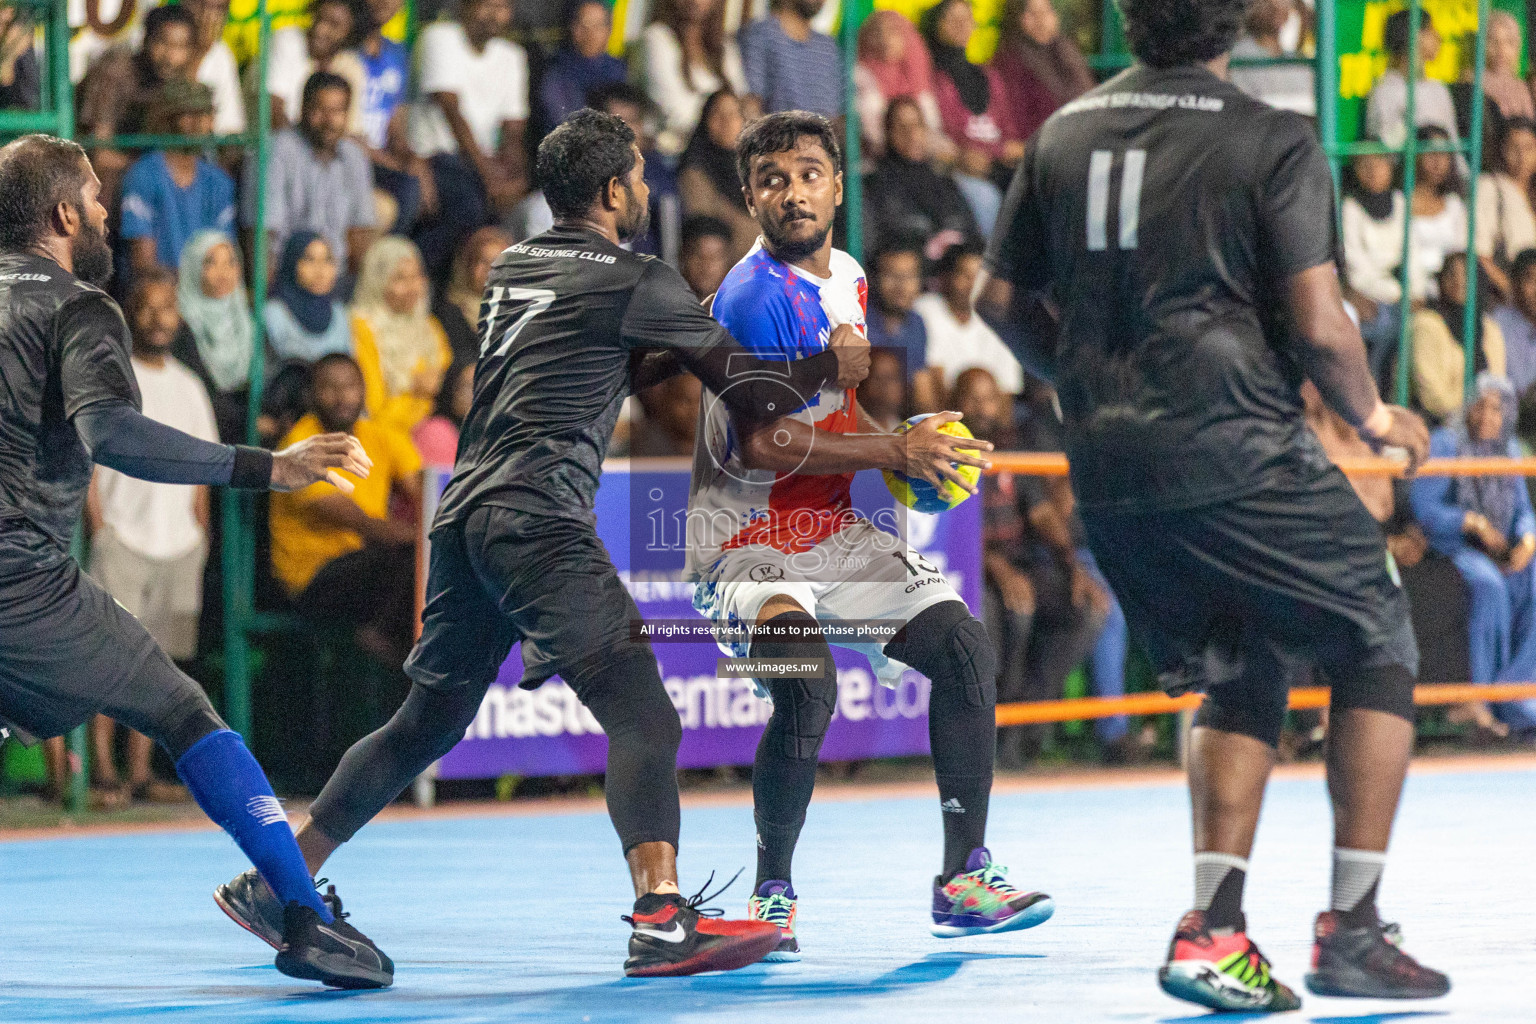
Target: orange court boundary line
{"x":1055,"y":464}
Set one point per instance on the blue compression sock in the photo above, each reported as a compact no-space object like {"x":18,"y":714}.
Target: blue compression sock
{"x":231,"y":788}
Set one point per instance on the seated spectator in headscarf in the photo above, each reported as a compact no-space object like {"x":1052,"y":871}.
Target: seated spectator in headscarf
{"x":215,"y":340}
{"x":296,"y":53}
{"x":1041,"y":68}
{"x":1439,"y":361}
{"x":169,"y":195}
{"x":893,"y":64}
{"x":973,"y":108}
{"x":1517,"y":322}
{"x":708,"y":181}
{"x":1485,"y":525}
{"x":1286,"y":86}
{"x":1506,"y":223}
{"x":905,"y":198}
{"x":1510,"y":96}
{"x":400,"y":347}
{"x":305,"y":319}
{"x":437,"y":436}
{"x":580,"y":65}
{"x":883,"y":395}
{"x":706,"y":254}
{"x":20,"y":82}
{"x":457,"y":309}
{"x":343,"y":558}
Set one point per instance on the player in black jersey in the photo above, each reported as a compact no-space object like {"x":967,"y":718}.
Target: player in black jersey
{"x":1167,"y":256}
{"x":570,"y":323}
{"x":68,"y":400}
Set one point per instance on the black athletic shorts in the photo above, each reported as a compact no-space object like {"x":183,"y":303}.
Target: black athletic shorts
{"x":498,"y":576}
{"x":67,"y":649}
{"x":1260,"y":586}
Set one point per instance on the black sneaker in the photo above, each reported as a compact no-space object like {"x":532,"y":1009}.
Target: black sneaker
{"x":336,"y":954}
{"x":250,"y":903}
{"x":672,"y":936}
{"x":1365,"y":961}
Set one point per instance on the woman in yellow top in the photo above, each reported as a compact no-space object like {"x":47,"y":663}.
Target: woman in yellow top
{"x":400,"y":347}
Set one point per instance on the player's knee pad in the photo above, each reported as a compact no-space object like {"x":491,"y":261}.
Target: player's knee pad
{"x":802,"y":705}
{"x":1247,"y":706}
{"x":1387,"y":688}
{"x":950,"y":646}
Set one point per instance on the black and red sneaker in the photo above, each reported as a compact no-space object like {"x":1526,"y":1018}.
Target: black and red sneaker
{"x":673,"y":936}
{"x":1366,"y":961}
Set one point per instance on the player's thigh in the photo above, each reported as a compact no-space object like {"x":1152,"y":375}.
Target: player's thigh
{"x":746,"y":586}
{"x":66,"y":647}
{"x":879,"y":580}
{"x":464,"y":637}
{"x":552,"y":580}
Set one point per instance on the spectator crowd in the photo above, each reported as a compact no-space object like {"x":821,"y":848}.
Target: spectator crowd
{"x":396,"y":176}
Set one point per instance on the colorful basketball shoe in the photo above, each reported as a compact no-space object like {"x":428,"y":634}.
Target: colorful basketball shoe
{"x":774,"y":902}
{"x":1224,"y":972}
{"x":1367,"y":961}
{"x":979,"y":901}
{"x":673,"y":936}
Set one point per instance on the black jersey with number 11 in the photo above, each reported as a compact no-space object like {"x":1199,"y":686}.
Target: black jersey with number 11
{"x":1163,"y":213}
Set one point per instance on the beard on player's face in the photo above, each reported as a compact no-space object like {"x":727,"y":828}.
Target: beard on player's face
{"x":91,"y":255}
{"x":637,"y":216}
{"x":787,"y":242}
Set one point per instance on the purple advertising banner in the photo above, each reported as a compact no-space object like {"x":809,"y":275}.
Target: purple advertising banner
{"x":640,"y":510}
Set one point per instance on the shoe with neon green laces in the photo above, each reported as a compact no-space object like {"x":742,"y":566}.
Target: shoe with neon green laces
{"x":979,"y":901}
{"x":1222,"y":970}
{"x":774,"y":902}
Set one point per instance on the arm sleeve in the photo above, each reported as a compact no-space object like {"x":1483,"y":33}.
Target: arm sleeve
{"x":120,"y":437}
{"x":1019,"y":244}
{"x":664,"y":314}
{"x":1295,"y":202}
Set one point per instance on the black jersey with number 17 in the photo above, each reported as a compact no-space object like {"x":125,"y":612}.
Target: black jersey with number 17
{"x":1163,"y":213}
{"x":566,"y":318}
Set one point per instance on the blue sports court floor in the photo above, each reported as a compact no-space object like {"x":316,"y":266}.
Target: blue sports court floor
{"x":515,"y":918}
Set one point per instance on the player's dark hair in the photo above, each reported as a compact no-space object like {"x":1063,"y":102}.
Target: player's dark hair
{"x":946,"y":264}
{"x":143,"y":281}
{"x":578,"y":159}
{"x":37,"y":173}
{"x":1394,"y":34}
{"x":781,"y":132}
{"x":701,"y":226}
{"x":1168,"y":33}
{"x":1523,"y":264}
{"x":320,"y":81}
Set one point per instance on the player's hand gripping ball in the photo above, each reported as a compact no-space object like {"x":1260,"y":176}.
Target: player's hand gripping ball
{"x":920,"y":495}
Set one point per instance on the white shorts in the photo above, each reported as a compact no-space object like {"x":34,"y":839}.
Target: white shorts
{"x":859,"y":574}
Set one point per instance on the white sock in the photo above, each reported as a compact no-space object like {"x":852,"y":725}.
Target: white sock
{"x":1210,"y":869}
{"x":1354,"y":874}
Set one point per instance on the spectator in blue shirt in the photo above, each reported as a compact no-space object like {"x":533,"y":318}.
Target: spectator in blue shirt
{"x":581,"y":65}
{"x":898,"y":281}
{"x":1518,"y":322}
{"x":788,"y":64}
{"x":170,"y":195}
{"x":397,"y":171}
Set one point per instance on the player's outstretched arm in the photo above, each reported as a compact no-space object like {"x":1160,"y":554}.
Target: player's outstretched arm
{"x":120,"y":437}
{"x":1333,"y":355}
{"x":789,"y":445}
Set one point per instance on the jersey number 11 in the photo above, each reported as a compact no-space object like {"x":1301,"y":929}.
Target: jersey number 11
{"x":1132,"y":168}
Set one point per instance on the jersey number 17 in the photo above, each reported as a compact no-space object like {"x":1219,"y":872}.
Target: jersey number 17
{"x":1133,"y":166}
